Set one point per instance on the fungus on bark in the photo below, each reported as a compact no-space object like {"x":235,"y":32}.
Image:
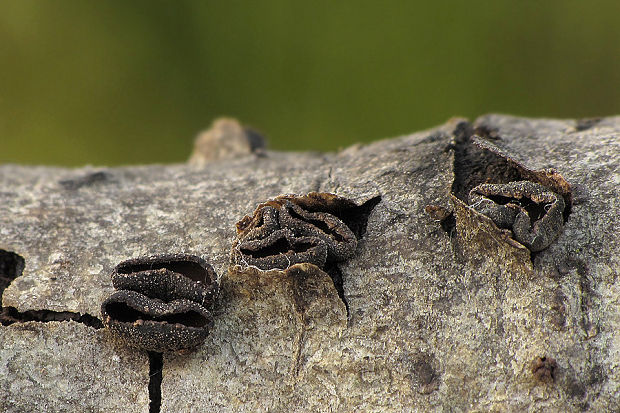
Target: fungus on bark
{"x":531,"y":211}
{"x":315,"y":228}
{"x":163,"y":303}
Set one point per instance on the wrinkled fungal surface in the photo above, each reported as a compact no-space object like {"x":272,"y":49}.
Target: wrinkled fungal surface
{"x":264,"y":223}
{"x":531,"y":211}
{"x":168,"y":277}
{"x":164,"y":302}
{"x":281,"y":249}
{"x":153,"y":324}
{"x":315,"y":228}
{"x":338,"y":238}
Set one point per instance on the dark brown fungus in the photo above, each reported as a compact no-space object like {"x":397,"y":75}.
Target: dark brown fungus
{"x":164,"y":302}
{"x":531,"y":211}
{"x":190,"y":266}
{"x":168,"y":277}
{"x":263,"y":223}
{"x":548,"y":178}
{"x":317,"y":228}
{"x":340,"y":240}
{"x":280,"y":250}
{"x":543,"y":369}
{"x":165,"y":285}
{"x":153,"y":324}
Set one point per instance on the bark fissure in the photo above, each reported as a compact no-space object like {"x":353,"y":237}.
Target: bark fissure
{"x":156,"y":367}
{"x":10,"y":315}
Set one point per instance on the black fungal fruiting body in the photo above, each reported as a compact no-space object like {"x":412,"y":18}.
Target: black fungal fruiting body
{"x":163,"y":303}
{"x":281,"y":249}
{"x":337,"y":237}
{"x":290,"y":229}
{"x":531,"y":211}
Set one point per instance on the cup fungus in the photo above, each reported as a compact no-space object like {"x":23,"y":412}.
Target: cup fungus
{"x":314,"y":228}
{"x":281,"y":249}
{"x":164,"y":302}
{"x":338,"y":238}
{"x":531,"y":211}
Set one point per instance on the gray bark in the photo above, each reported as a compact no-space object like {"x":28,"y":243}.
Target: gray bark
{"x":433,"y":316}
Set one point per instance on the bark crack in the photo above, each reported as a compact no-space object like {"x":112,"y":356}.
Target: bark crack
{"x":156,"y":367}
{"x":12,"y":266}
{"x":10,"y":315}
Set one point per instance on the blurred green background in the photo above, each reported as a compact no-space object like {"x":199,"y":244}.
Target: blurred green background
{"x":126,"y":82}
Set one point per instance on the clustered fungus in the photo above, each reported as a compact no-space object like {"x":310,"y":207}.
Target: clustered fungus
{"x":544,"y":369}
{"x":164,"y":302}
{"x":533,"y":212}
{"x":500,"y":203}
{"x":318,"y":228}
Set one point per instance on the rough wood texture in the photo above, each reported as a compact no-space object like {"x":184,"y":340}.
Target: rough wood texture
{"x":433,"y":314}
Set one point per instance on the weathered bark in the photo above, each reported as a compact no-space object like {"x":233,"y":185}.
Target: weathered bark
{"x":438,"y":309}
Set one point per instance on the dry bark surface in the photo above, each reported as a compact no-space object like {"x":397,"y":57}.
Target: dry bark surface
{"x":439,"y":309}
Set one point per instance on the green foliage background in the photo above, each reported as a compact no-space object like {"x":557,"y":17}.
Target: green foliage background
{"x":118,"y":82}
